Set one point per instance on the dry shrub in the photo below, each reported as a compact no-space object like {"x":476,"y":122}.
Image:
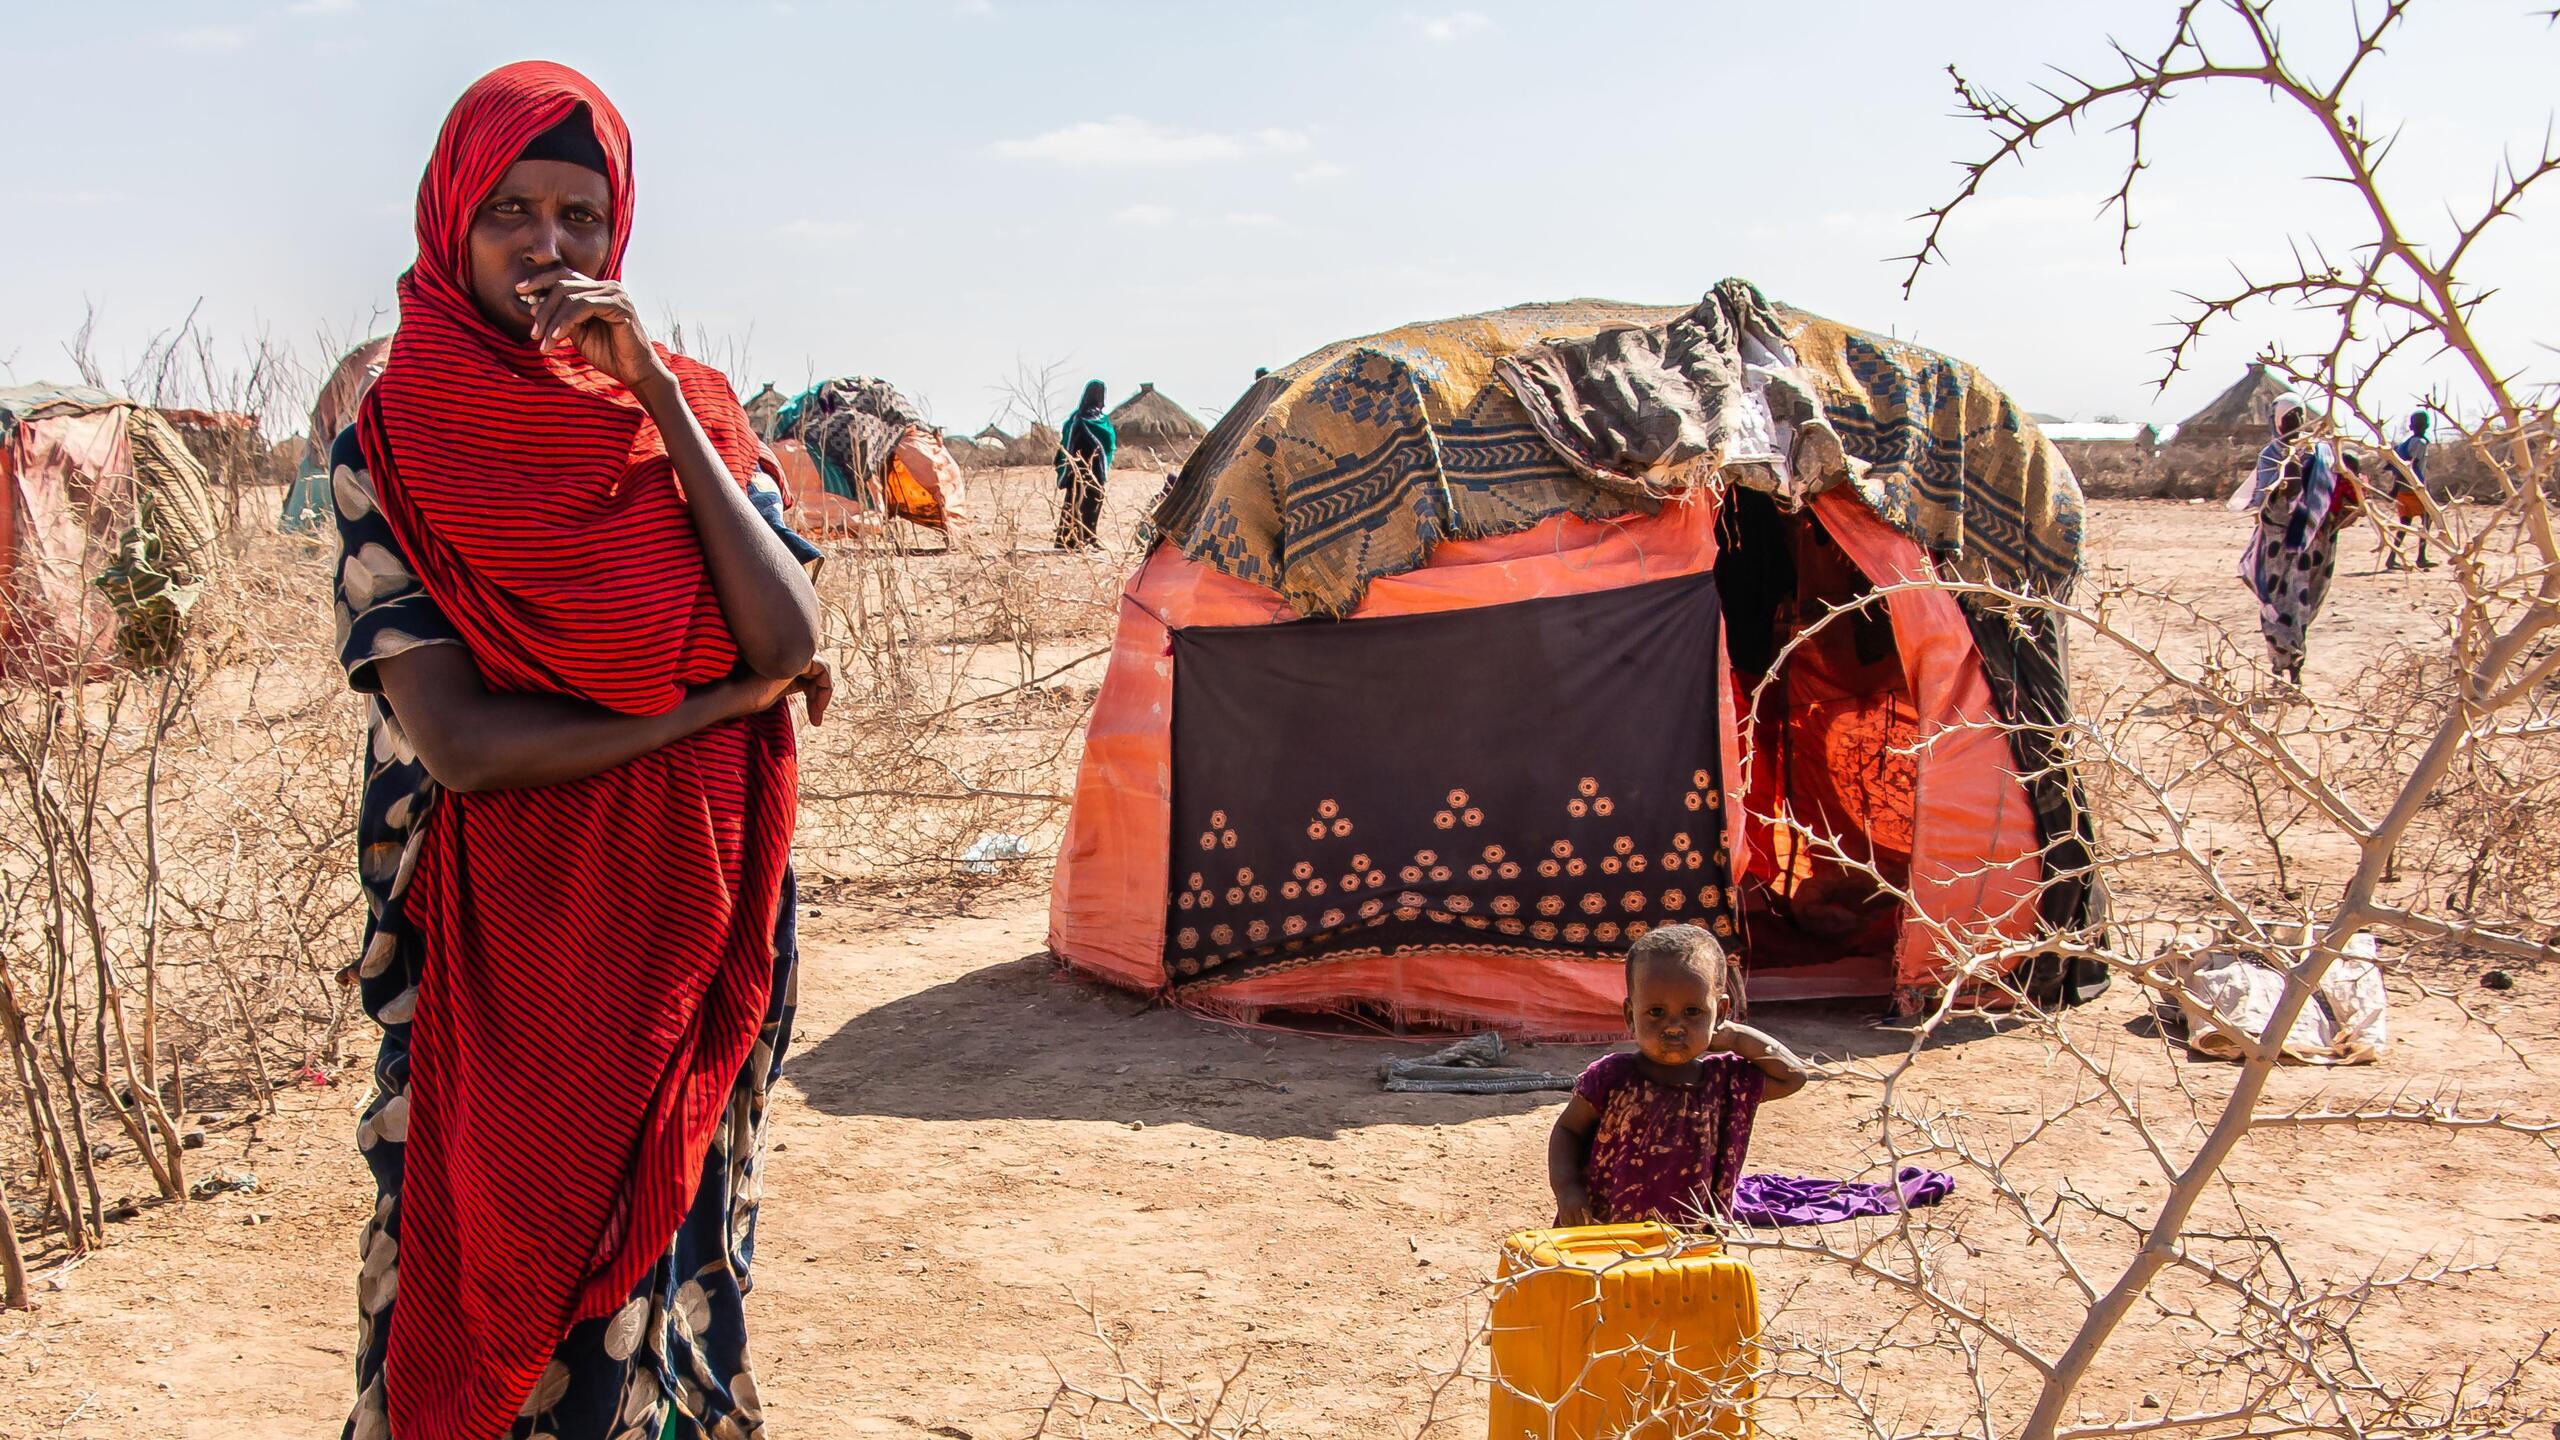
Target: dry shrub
{"x":2239,"y":820}
{"x":2486,"y":846}
{"x":2210,"y":472}
{"x":965,"y":672}
{"x":176,"y":886}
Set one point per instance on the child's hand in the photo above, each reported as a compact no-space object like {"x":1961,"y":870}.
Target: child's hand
{"x":1735,"y":1039}
{"x":1786,"y":1074}
{"x":1573,"y":1207}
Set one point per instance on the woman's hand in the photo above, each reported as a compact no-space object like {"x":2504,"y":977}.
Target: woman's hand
{"x":752,"y":694}
{"x":599,"y":318}
{"x":1573,"y":1207}
{"x":816,"y":687}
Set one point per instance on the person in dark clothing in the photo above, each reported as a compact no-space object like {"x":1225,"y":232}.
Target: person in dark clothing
{"x":1086,"y":444}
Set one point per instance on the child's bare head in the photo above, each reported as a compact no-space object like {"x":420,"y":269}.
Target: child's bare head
{"x":1691,"y":947}
{"x":1677,"y":980}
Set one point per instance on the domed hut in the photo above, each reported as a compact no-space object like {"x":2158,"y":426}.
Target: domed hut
{"x":2240,"y":415}
{"x":764,"y":409}
{"x":857,"y":451}
{"x":1574,"y":681}
{"x":967,"y":453}
{"x":106,"y":533}
{"x":1035,"y":446}
{"x":1150,"y":421}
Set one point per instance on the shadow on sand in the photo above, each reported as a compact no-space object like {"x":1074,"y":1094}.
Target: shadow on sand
{"x":1017,"y":1041}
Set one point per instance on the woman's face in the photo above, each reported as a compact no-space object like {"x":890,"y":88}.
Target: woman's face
{"x":541,"y":217}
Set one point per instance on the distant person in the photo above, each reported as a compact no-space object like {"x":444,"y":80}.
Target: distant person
{"x":1086,"y":444}
{"x":1660,"y":1134}
{"x":2293,"y":549}
{"x":2409,"y":493}
{"x":574,"y":837}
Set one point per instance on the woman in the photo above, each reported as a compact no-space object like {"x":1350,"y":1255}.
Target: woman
{"x":1086,"y":444}
{"x":2293,"y":551}
{"x":577,"y":813}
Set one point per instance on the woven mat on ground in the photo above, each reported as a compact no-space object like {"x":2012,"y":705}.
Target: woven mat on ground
{"x":1472,"y":1066}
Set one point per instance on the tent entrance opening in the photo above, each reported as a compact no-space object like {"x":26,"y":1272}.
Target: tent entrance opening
{"x":1828,"y":737}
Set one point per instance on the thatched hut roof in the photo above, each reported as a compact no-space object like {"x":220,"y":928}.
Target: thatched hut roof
{"x":2239,"y":415}
{"x":1150,"y":418}
{"x":764,"y":409}
{"x":1035,"y":446}
{"x":992,"y":435}
{"x":971,"y":454}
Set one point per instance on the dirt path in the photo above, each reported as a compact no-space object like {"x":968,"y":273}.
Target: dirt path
{"x":967,"y":1144}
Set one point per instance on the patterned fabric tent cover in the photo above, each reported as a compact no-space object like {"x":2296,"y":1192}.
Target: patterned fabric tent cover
{"x":1403,"y":476}
{"x":1355,"y":461}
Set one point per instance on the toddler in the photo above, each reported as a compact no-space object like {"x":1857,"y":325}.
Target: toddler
{"x":1659,"y":1134}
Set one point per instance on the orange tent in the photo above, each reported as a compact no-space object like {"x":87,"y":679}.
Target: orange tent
{"x":87,"y":477}
{"x":1407,"y":718}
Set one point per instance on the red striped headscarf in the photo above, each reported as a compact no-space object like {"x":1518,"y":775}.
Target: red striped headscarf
{"x":599,"y":953}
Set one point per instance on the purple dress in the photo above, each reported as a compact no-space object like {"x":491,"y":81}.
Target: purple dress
{"x":1667,"y":1152}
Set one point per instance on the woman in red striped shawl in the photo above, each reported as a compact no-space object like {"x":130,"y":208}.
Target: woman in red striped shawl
{"x":579,"y":631}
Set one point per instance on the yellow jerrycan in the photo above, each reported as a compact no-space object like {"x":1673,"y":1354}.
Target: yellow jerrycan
{"x":1635,"y":1331}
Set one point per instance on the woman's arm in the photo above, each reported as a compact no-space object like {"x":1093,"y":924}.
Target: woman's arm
{"x":767,"y":599}
{"x":473,"y":738}
{"x":1786,"y":1074}
{"x":1568,"y":1155}
{"x":769,"y":603}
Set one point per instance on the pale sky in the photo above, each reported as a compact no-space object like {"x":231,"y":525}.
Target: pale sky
{"x":939,"y":190}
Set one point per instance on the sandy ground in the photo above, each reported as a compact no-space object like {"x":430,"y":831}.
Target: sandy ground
{"x":968,"y":1146}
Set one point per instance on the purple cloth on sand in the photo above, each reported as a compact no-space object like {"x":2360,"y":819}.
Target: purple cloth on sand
{"x":1800,"y":1200}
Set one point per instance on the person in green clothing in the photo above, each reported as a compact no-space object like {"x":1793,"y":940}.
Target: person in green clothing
{"x":1085,"y":446}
